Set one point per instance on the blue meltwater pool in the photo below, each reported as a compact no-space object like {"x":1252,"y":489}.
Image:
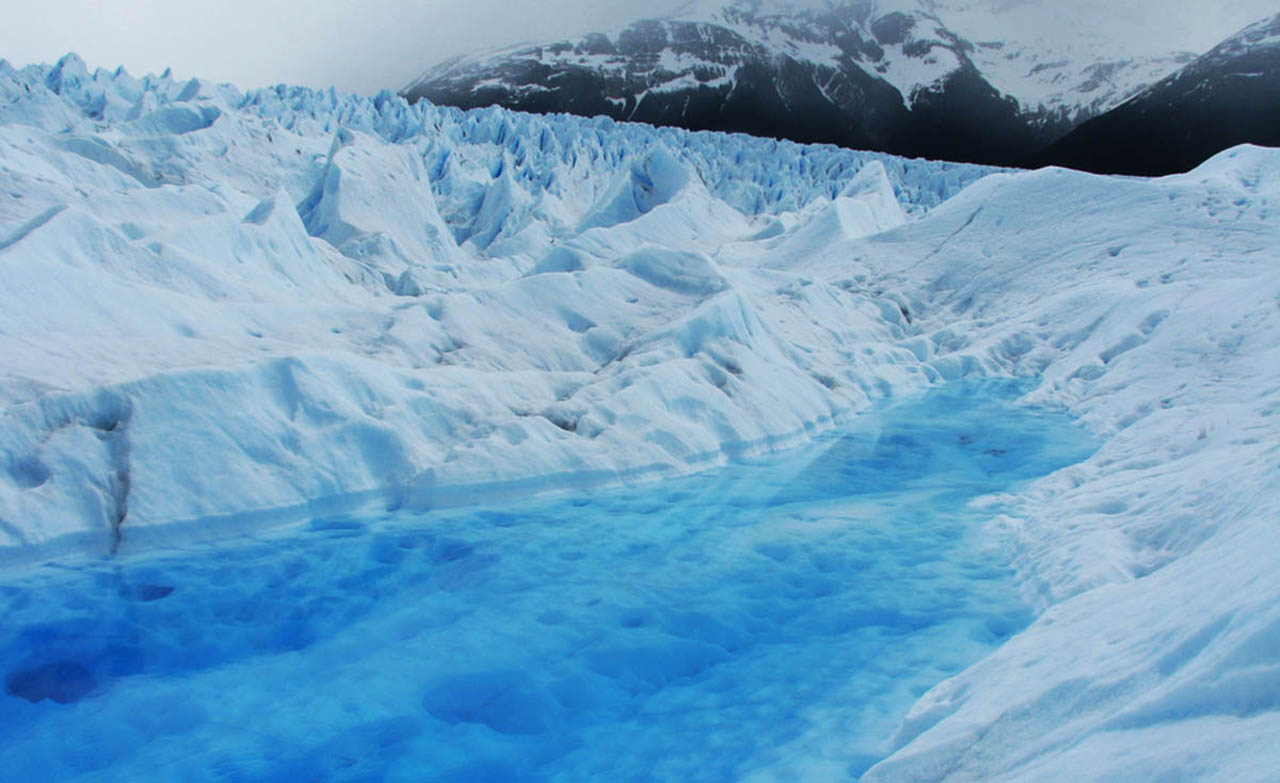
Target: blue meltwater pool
{"x":771,"y":620}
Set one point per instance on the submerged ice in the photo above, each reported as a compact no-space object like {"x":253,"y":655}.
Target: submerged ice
{"x":770,"y":619}
{"x":225,"y":310}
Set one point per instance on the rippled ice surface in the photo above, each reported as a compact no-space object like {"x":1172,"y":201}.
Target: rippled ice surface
{"x":770,"y":620}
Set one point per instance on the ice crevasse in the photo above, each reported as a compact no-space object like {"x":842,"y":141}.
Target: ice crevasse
{"x":224,"y":309}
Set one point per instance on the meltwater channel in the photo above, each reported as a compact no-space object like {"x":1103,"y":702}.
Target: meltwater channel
{"x":771,"y":620}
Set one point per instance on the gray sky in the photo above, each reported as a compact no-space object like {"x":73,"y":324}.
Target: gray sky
{"x":360,"y":46}
{"x":364,"y":46}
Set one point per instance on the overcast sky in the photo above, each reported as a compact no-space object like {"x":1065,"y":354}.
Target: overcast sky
{"x":359,"y":46}
{"x":367,"y":45}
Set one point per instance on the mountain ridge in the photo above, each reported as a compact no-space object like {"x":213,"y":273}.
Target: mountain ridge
{"x":1228,"y":96}
{"x":886,"y":76}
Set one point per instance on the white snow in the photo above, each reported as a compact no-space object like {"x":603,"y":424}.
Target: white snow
{"x":1071,"y":61}
{"x":1151,"y":310}
{"x":224,"y":310}
{"x":910,"y":74}
{"x":332,"y":297}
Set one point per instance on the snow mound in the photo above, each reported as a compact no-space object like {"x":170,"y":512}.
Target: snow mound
{"x":676,"y":271}
{"x":871,"y":193}
{"x":372,"y":207}
{"x":648,"y":183}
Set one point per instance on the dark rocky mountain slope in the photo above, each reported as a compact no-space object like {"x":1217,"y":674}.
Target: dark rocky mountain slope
{"x":1229,"y":96}
{"x":846,"y":74}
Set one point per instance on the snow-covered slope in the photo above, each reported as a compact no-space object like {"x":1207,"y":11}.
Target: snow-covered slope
{"x":951,"y":80}
{"x":328,"y":296}
{"x":1087,"y":56}
{"x":1151,"y":309}
{"x":1229,"y":96}
{"x":223,"y":310}
{"x":1054,"y":59}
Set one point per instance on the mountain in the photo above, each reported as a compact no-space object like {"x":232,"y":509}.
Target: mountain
{"x":1229,"y":96}
{"x":889,"y":76}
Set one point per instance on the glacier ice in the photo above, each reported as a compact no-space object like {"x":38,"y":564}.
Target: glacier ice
{"x":777,"y":616}
{"x":336,"y":298}
{"x":223,"y":310}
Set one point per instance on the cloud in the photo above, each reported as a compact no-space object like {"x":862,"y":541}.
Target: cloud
{"x":356,"y":45}
{"x":365,"y":46}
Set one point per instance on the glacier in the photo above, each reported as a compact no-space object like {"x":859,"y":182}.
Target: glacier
{"x":224,"y":311}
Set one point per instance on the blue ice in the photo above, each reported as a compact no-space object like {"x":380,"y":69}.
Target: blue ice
{"x":776,"y":616}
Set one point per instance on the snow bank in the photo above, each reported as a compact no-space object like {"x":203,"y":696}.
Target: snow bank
{"x":1152,"y":310}
{"x":222,"y":310}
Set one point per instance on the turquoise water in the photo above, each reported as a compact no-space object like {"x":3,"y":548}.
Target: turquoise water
{"x":774,"y":618}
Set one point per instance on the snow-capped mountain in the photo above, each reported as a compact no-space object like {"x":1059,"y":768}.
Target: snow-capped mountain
{"x":1229,"y":96}
{"x":911,"y":77}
